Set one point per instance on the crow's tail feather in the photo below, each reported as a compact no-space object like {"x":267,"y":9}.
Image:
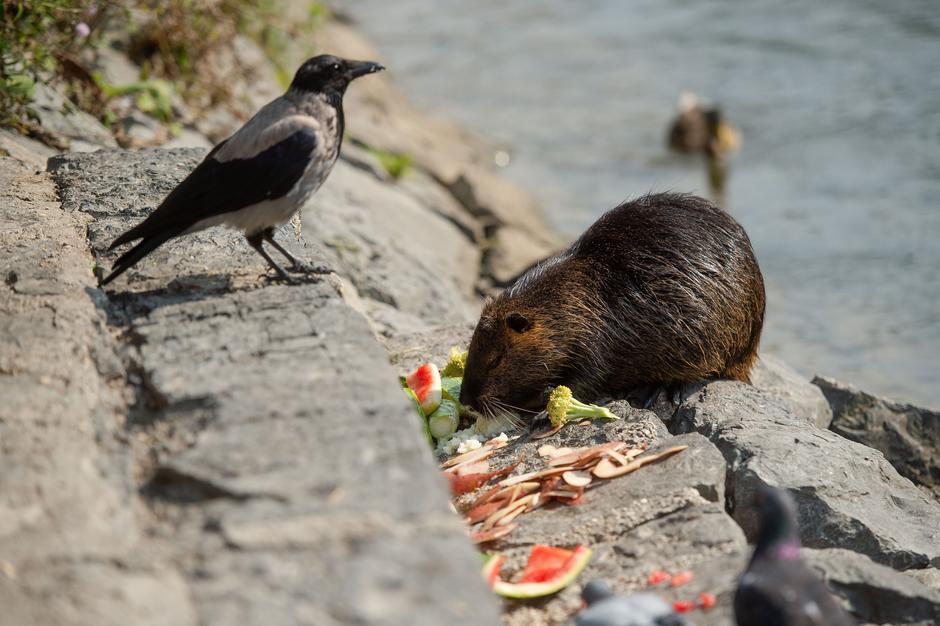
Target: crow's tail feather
{"x":132,"y":234}
{"x":135,"y":254}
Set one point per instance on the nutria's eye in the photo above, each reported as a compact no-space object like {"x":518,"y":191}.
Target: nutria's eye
{"x":518,"y":322}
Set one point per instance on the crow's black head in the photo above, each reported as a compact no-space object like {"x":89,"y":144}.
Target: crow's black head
{"x":327,"y":73}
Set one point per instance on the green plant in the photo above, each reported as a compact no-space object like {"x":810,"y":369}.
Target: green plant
{"x":30,"y":32}
{"x":178,"y":45}
{"x":397,"y":164}
{"x":154,"y":96}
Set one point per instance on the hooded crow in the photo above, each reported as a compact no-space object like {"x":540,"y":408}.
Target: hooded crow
{"x":258,"y":178}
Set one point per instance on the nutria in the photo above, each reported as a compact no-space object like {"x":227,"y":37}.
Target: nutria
{"x":659,"y":292}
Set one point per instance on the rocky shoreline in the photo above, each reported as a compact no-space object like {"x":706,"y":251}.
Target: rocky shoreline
{"x":200,"y":444}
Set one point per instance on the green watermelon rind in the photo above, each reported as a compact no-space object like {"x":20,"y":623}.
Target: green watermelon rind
{"x":450,"y":388}
{"x":425,"y":427}
{"x":448,"y":415}
{"x":525,"y":591}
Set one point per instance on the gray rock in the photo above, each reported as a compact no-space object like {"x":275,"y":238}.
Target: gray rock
{"x":519,"y":237}
{"x":802,"y":398}
{"x":435,"y":196}
{"x":875,"y":593}
{"x":188,"y":138}
{"x":408,"y":351}
{"x":909,"y":436}
{"x":392,"y":249}
{"x":283,"y":470}
{"x":929,"y":577}
{"x":57,"y":115}
{"x":114,"y":65}
{"x":138,"y":130}
{"x":24,"y":149}
{"x":250,"y":79}
{"x":848,"y":495}
{"x":514,"y":250}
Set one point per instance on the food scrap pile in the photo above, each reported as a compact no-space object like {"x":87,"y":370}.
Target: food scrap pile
{"x":436,"y":398}
{"x":569,"y":472}
{"x":566,"y":476}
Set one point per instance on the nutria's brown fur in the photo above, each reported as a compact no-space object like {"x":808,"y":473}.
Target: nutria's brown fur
{"x":663,"y":290}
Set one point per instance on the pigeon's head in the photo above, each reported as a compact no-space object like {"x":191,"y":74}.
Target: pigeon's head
{"x":778,"y":522}
{"x":595,"y":591}
{"x":328,"y":73}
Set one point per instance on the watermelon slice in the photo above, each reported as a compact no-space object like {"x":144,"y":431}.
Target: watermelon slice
{"x":544,"y":563}
{"x":451,"y":388}
{"x":548,"y":571}
{"x":426,"y":383}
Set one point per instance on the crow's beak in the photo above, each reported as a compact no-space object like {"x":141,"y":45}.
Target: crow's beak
{"x":355,"y":69}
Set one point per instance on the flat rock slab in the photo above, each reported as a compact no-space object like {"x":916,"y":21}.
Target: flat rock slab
{"x":848,"y":495}
{"x":281,"y":467}
{"x":668,"y":515}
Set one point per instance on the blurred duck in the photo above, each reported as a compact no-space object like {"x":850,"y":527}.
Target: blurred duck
{"x":700,"y":129}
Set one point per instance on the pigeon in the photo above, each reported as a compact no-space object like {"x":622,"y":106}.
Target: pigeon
{"x":642,"y":609}
{"x":258,"y":178}
{"x":778,"y":589}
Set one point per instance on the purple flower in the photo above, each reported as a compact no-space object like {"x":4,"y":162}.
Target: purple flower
{"x":82,"y":30}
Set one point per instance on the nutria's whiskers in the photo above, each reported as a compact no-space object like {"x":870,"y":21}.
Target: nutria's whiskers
{"x":493,"y":417}
{"x":506,"y":405}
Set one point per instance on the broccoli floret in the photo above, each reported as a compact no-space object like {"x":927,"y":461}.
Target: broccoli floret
{"x":562,"y":406}
{"x":454,"y":367}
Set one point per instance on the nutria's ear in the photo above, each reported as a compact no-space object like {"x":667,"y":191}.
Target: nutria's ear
{"x":518,"y":322}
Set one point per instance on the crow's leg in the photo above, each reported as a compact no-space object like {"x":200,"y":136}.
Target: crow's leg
{"x":256,"y":241}
{"x":297,"y":264}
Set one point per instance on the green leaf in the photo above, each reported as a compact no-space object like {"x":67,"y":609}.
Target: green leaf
{"x":20,"y":86}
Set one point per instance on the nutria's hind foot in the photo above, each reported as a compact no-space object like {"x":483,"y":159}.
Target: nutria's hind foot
{"x":648,"y":396}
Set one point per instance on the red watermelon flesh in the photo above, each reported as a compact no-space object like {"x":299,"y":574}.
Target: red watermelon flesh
{"x":544,"y":563}
{"x":426,"y":383}
{"x":548,"y":571}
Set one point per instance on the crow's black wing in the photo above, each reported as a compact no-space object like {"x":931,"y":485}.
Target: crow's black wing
{"x":217,"y":187}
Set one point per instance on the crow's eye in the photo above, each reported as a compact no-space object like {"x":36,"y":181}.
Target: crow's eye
{"x":336,"y":66}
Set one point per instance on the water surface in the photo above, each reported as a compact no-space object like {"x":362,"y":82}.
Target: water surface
{"x":838,"y":179}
